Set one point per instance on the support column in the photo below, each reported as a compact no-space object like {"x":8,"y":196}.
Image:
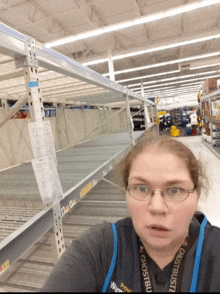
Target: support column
{"x":146,"y":114}
{"x":142,"y":88}
{"x":210,"y":123}
{"x":130,"y":122}
{"x":152,"y":112}
{"x":111,"y":66}
{"x":63,"y":105}
{"x":5,"y":105}
{"x":44,"y":162}
{"x":55,"y":105}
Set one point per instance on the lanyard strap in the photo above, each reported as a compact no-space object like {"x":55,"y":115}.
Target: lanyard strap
{"x":175,"y":270}
{"x":198,"y":256}
{"x":197,"y":263}
{"x":114,"y":259}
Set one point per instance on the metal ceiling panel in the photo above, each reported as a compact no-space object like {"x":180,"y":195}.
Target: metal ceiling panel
{"x":51,"y":20}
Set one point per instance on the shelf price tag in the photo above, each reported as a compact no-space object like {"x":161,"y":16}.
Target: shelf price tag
{"x":72,"y":203}
{"x":86,"y":189}
{"x":94,"y":182}
{"x":4,"y":266}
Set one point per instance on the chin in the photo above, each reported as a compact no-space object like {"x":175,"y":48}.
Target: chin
{"x":158,"y":243}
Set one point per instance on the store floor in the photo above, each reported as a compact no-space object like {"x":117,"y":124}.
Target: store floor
{"x":210,"y":206}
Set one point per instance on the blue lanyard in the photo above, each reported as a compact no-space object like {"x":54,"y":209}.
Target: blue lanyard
{"x":113,"y":263}
{"x":195,"y":277}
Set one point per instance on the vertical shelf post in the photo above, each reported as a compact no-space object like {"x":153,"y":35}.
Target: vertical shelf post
{"x":111,"y":66}
{"x":39,"y":133}
{"x":146,"y":115}
{"x":129,"y":122}
{"x":210,"y":123}
{"x":5,"y":105}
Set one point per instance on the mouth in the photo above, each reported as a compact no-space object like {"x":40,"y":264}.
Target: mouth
{"x":158,"y":228}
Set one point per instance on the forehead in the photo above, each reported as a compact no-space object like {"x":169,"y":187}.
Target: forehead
{"x":159,"y":165}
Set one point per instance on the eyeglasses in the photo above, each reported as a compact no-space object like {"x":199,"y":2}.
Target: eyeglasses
{"x":173,"y":194}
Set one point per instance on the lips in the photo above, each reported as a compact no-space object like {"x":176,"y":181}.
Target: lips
{"x":158,"y":227}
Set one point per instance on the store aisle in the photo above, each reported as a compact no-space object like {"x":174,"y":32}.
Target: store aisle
{"x":211,"y":205}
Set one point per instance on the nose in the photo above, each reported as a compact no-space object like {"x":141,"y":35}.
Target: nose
{"x":157,"y":203}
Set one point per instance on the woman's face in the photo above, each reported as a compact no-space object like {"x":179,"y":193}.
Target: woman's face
{"x":159,"y":170}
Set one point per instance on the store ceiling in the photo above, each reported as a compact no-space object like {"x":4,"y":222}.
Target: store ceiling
{"x":50,"y":20}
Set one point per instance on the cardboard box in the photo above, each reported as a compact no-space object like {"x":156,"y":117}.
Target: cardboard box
{"x":205,"y":125}
{"x":206,"y":109}
{"x":210,"y":85}
{"x":207,"y":131}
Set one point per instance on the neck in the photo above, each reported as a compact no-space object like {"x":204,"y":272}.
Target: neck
{"x":161,"y":261}
{"x":162,"y":256}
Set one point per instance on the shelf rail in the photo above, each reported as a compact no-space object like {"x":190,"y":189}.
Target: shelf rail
{"x":29,"y":55}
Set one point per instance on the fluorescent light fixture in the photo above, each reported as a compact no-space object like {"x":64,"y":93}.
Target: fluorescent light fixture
{"x":176,"y":90}
{"x":97,"y":61}
{"x":134,"y":22}
{"x":164,"y":73}
{"x":173,"y":90}
{"x":149,"y":76}
{"x":159,"y":88}
{"x":182,"y":95}
{"x":204,"y":66}
{"x":165,"y":63}
{"x":176,"y":78}
{"x":160,"y":48}
{"x":177,"y":82}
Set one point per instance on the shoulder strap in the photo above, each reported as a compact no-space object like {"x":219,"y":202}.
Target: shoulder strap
{"x":113,"y":263}
{"x":194,"y":283}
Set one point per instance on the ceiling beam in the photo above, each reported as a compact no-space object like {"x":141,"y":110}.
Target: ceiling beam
{"x":137,"y":8}
{"x":94,"y":11}
{"x":12,"y":75}
{"x":10,"y":9}
{"x":152,"y":47}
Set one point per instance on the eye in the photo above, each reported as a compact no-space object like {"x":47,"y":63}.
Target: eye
{"x":175,"y":191}
{"x":143,"y":189}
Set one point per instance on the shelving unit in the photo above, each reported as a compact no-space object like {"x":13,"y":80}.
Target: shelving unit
{"x":177,"y":115}
{"x":33,"y":74}
{"x":210,"y":105}
{"x":138,"y":118}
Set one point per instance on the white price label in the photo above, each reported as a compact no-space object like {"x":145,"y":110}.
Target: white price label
{"x":94,"y":182}
{"x":42,"y":141}
{"x":47,"y":179}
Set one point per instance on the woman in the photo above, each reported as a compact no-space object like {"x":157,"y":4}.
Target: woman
{"x":165,"y":246}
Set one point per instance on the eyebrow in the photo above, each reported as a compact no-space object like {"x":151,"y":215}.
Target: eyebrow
{"x":169,"y":182}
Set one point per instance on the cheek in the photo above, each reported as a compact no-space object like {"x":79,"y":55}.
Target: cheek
{"x":183,"y":215}
{"x":136,"y":209}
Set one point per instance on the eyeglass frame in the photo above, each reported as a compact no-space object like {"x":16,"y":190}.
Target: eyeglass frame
{"x":161,"y":193}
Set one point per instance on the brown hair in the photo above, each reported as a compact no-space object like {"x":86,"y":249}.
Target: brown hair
{"x":168,"y":144}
